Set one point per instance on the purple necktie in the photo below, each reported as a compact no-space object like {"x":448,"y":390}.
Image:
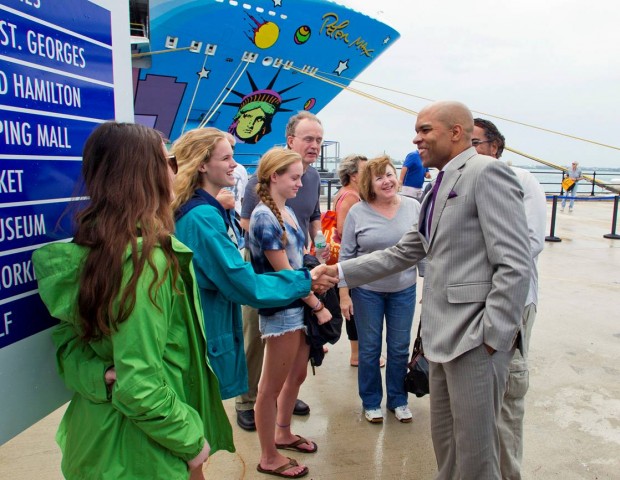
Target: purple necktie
{"x":433,"y":198}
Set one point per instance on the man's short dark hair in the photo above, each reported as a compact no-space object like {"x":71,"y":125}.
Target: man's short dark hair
{"x":492,"y":134}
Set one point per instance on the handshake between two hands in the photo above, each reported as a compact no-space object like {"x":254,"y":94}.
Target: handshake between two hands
{"x":324,"y":277}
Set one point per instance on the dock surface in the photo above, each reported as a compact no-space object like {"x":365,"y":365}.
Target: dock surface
{"x":572,"y":423}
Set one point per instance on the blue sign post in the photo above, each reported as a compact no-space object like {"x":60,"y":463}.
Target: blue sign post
{"x":56,"y":86}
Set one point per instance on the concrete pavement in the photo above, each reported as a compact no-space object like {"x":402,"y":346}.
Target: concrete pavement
{"x":573,"y":406}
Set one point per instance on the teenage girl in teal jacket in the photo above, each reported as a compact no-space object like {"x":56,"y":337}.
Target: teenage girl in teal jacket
{"x":225,"y":280}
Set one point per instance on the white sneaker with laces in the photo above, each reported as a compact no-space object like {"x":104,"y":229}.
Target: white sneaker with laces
{"x":403,"y":414}
{"x":374,"y":415}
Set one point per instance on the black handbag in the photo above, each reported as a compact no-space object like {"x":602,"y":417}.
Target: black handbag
{"x":416,"y":379}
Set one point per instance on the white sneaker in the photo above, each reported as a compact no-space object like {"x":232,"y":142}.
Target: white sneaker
{"x":374,"y":415}
{"x":403,"y":414}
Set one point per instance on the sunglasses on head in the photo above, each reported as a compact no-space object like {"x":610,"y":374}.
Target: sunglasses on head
{"x":172,"y":162}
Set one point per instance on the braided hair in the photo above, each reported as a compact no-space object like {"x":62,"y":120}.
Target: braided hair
{"x":277,"y":160}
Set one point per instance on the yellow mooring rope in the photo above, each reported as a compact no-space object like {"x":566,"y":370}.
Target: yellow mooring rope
{"x":413,"y":112}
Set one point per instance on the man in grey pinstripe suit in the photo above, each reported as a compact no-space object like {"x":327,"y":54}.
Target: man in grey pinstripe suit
{"x":473,"y":231}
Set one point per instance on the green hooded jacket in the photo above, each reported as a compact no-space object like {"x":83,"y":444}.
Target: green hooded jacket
{"x":165,"y":401}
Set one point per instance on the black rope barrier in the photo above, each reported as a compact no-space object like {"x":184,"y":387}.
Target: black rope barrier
{"x":551,"y":237}
{"x":614,"y":220}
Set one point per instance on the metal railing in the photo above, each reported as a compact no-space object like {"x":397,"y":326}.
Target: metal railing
{"x":551,"y":181}
{"x":138,"y":30}
{"x":551,"y":186}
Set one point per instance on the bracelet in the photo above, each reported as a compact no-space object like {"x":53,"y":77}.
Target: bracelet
{"x":316,"y":307}
{"x":319,"y":308}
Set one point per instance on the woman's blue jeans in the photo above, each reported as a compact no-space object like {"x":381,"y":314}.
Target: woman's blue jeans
{"x":370,"y":309}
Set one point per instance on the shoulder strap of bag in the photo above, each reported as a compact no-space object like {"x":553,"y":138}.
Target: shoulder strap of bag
{"x":417,"y":344}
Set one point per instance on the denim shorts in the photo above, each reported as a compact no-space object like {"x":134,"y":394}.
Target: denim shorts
{"x":282,"y":322}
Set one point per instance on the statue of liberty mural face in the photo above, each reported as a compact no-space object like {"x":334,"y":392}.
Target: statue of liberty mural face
{"x":253,"y":119}
{"x":250,"y":123}
{"x":256,"y":111}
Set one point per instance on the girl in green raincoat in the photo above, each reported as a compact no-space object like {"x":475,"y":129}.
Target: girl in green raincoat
{"x":126,"y":296}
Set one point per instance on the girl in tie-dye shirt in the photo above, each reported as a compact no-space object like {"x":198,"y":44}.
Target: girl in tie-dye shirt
{"x":276,"y":243}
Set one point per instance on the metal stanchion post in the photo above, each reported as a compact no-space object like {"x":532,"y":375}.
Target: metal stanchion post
{"x":551,"y":237}
{"x":613,"y":234}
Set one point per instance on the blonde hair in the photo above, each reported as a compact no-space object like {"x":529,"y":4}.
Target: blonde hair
{"x":374,"y":167}
{"x":192,"y":150}
{"x":277,"y":160}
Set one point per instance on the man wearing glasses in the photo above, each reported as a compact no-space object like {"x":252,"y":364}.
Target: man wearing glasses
{"x":304,"y":135}
{"x":489,"y":141}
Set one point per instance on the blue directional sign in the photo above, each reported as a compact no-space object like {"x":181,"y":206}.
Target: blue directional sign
{"x":41,"y":175}
{"x":64,"y":69}
{"x":42,"y":134}
{"x":80,"y":16}
{"x":17,"y":275}
{"x":46,"y":90}
{"x":56,"y":86}
{"x":32,"y":42}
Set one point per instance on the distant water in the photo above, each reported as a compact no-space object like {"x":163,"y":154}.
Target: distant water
{"x":551,"y":179}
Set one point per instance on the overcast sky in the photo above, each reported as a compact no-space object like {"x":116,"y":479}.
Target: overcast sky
{"x":551,"y":63}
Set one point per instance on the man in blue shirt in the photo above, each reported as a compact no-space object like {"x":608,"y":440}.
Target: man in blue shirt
{"x":412,"y":176}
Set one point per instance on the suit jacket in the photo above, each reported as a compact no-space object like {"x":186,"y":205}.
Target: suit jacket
{"x":478,"y":254}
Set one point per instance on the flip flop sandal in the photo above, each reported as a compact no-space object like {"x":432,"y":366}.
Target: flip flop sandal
{"x":295,"y":446}
{"x":381,"y":363}
{"x":279,"y":472}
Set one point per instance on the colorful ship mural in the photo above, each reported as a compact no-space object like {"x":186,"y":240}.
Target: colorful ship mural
{"x":238,"y":65}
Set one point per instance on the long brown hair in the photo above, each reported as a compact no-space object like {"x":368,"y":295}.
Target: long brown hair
{"x":125,"y":174}
{"x":277,"y":160}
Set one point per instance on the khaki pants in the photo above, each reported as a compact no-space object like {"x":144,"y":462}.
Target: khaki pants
{"x":510,"y":424}
{"x":254,"y":352}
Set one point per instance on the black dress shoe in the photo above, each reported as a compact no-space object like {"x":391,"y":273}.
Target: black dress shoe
{"x":301,"y":408}
{"x":245,"y":419}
